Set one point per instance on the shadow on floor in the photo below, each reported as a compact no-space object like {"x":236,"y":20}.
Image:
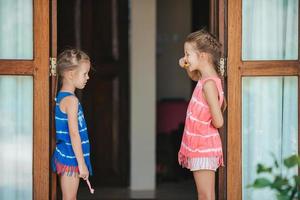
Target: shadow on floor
{"x":183,"y":190}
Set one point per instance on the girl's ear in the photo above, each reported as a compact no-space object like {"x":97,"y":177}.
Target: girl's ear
{"x":201,"y":55}
{"x":69,"y":74}
{"x":204,"y":55}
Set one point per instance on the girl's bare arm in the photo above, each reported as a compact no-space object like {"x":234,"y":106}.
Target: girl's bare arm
{"x":212,"y":97}
{"x":72,"y":110}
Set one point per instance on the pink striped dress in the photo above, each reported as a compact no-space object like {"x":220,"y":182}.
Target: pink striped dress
{"x":201,"y":146}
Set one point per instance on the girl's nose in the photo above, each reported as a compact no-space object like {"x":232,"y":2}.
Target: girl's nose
{"x":185,"y":58}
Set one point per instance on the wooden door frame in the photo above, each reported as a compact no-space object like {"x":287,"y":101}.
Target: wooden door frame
{"x":236,"y":70}
{"x":52,"y":93}
{"x":218,"y":26}
{"x":38,"y":68}
{"x":41,"y":105}
{"x":222,"y":25}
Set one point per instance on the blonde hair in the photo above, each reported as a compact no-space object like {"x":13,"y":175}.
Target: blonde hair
{"x":69,"y":59}
{"x":206,"y":42}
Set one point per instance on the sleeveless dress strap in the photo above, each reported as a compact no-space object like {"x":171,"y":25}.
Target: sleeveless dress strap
{"x":62,"y":95}
{"x":214,"y":78}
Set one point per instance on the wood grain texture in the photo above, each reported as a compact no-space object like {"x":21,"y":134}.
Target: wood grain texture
{"x":222,"y":30}
{"x":213,"y":17}
{"x":41,"y":101}
{"x":234,"y":157}
{"x":274,"y":68}
{"x":16,"y":67}
{"x":53,"y":89}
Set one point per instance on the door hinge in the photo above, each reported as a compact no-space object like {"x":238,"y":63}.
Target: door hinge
{"x":223,"y":66}
{"x":52,"y":66}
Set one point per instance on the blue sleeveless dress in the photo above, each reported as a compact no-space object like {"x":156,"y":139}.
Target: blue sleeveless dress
{"x":63,"y":160}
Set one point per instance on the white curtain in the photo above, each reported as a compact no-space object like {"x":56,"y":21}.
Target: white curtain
{"x":16,"y":29}
{"x":16,"y":137}
{"x":270,"y":30}
{"x":270,"y":125}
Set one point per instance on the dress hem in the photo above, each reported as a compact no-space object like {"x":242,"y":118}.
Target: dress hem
{"x":185,"y":162}
{"x":62,"y":169}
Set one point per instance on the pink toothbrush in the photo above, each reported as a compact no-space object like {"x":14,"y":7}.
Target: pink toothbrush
{"x":90,"y":187}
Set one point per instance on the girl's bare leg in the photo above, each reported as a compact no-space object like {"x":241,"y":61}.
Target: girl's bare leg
{"x":69,"y":187}
{"x":205,"y":183}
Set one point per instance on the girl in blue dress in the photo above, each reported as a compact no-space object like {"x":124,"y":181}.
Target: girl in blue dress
{"x":71,"y":157}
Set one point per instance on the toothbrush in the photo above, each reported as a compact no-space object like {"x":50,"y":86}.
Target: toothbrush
{"x":90,"y":187}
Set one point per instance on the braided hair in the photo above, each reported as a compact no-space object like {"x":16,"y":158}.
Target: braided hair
{"x":208,"y":43}
{"x":69,"y":59}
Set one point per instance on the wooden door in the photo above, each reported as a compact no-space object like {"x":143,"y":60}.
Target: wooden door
{"x":106,"y":98}
{"x":218,"y":26}
{"x":100,"y":28}
{"x":250,"y":73}
{"x":33,"y":66}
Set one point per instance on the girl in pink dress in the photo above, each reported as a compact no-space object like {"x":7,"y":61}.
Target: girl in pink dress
{"x":201,"y":147}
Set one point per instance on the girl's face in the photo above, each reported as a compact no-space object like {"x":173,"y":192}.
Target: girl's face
{"x":81,"y":74}
{"x":191,"y":56}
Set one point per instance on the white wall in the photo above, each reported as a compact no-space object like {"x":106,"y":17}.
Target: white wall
{"x":173,"y":25}
{"x":143,"y":94}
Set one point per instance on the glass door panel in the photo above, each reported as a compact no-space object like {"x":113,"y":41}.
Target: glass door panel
{"x":269,"y":126}
{"x":16,"y":29}
{"x":16,"y":137}
{"x":270,"y":30}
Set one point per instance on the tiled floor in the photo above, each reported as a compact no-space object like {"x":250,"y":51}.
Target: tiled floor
{"x":184,"y":190}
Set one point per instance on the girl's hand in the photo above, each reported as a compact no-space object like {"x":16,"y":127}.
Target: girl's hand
{"x":183,"y":63}
{"x":83,"y":171}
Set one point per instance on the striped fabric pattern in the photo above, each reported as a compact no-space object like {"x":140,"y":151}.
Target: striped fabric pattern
{"x":201,"y":146}
{"x":63,"y":159}
{"x":204,"y":163}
